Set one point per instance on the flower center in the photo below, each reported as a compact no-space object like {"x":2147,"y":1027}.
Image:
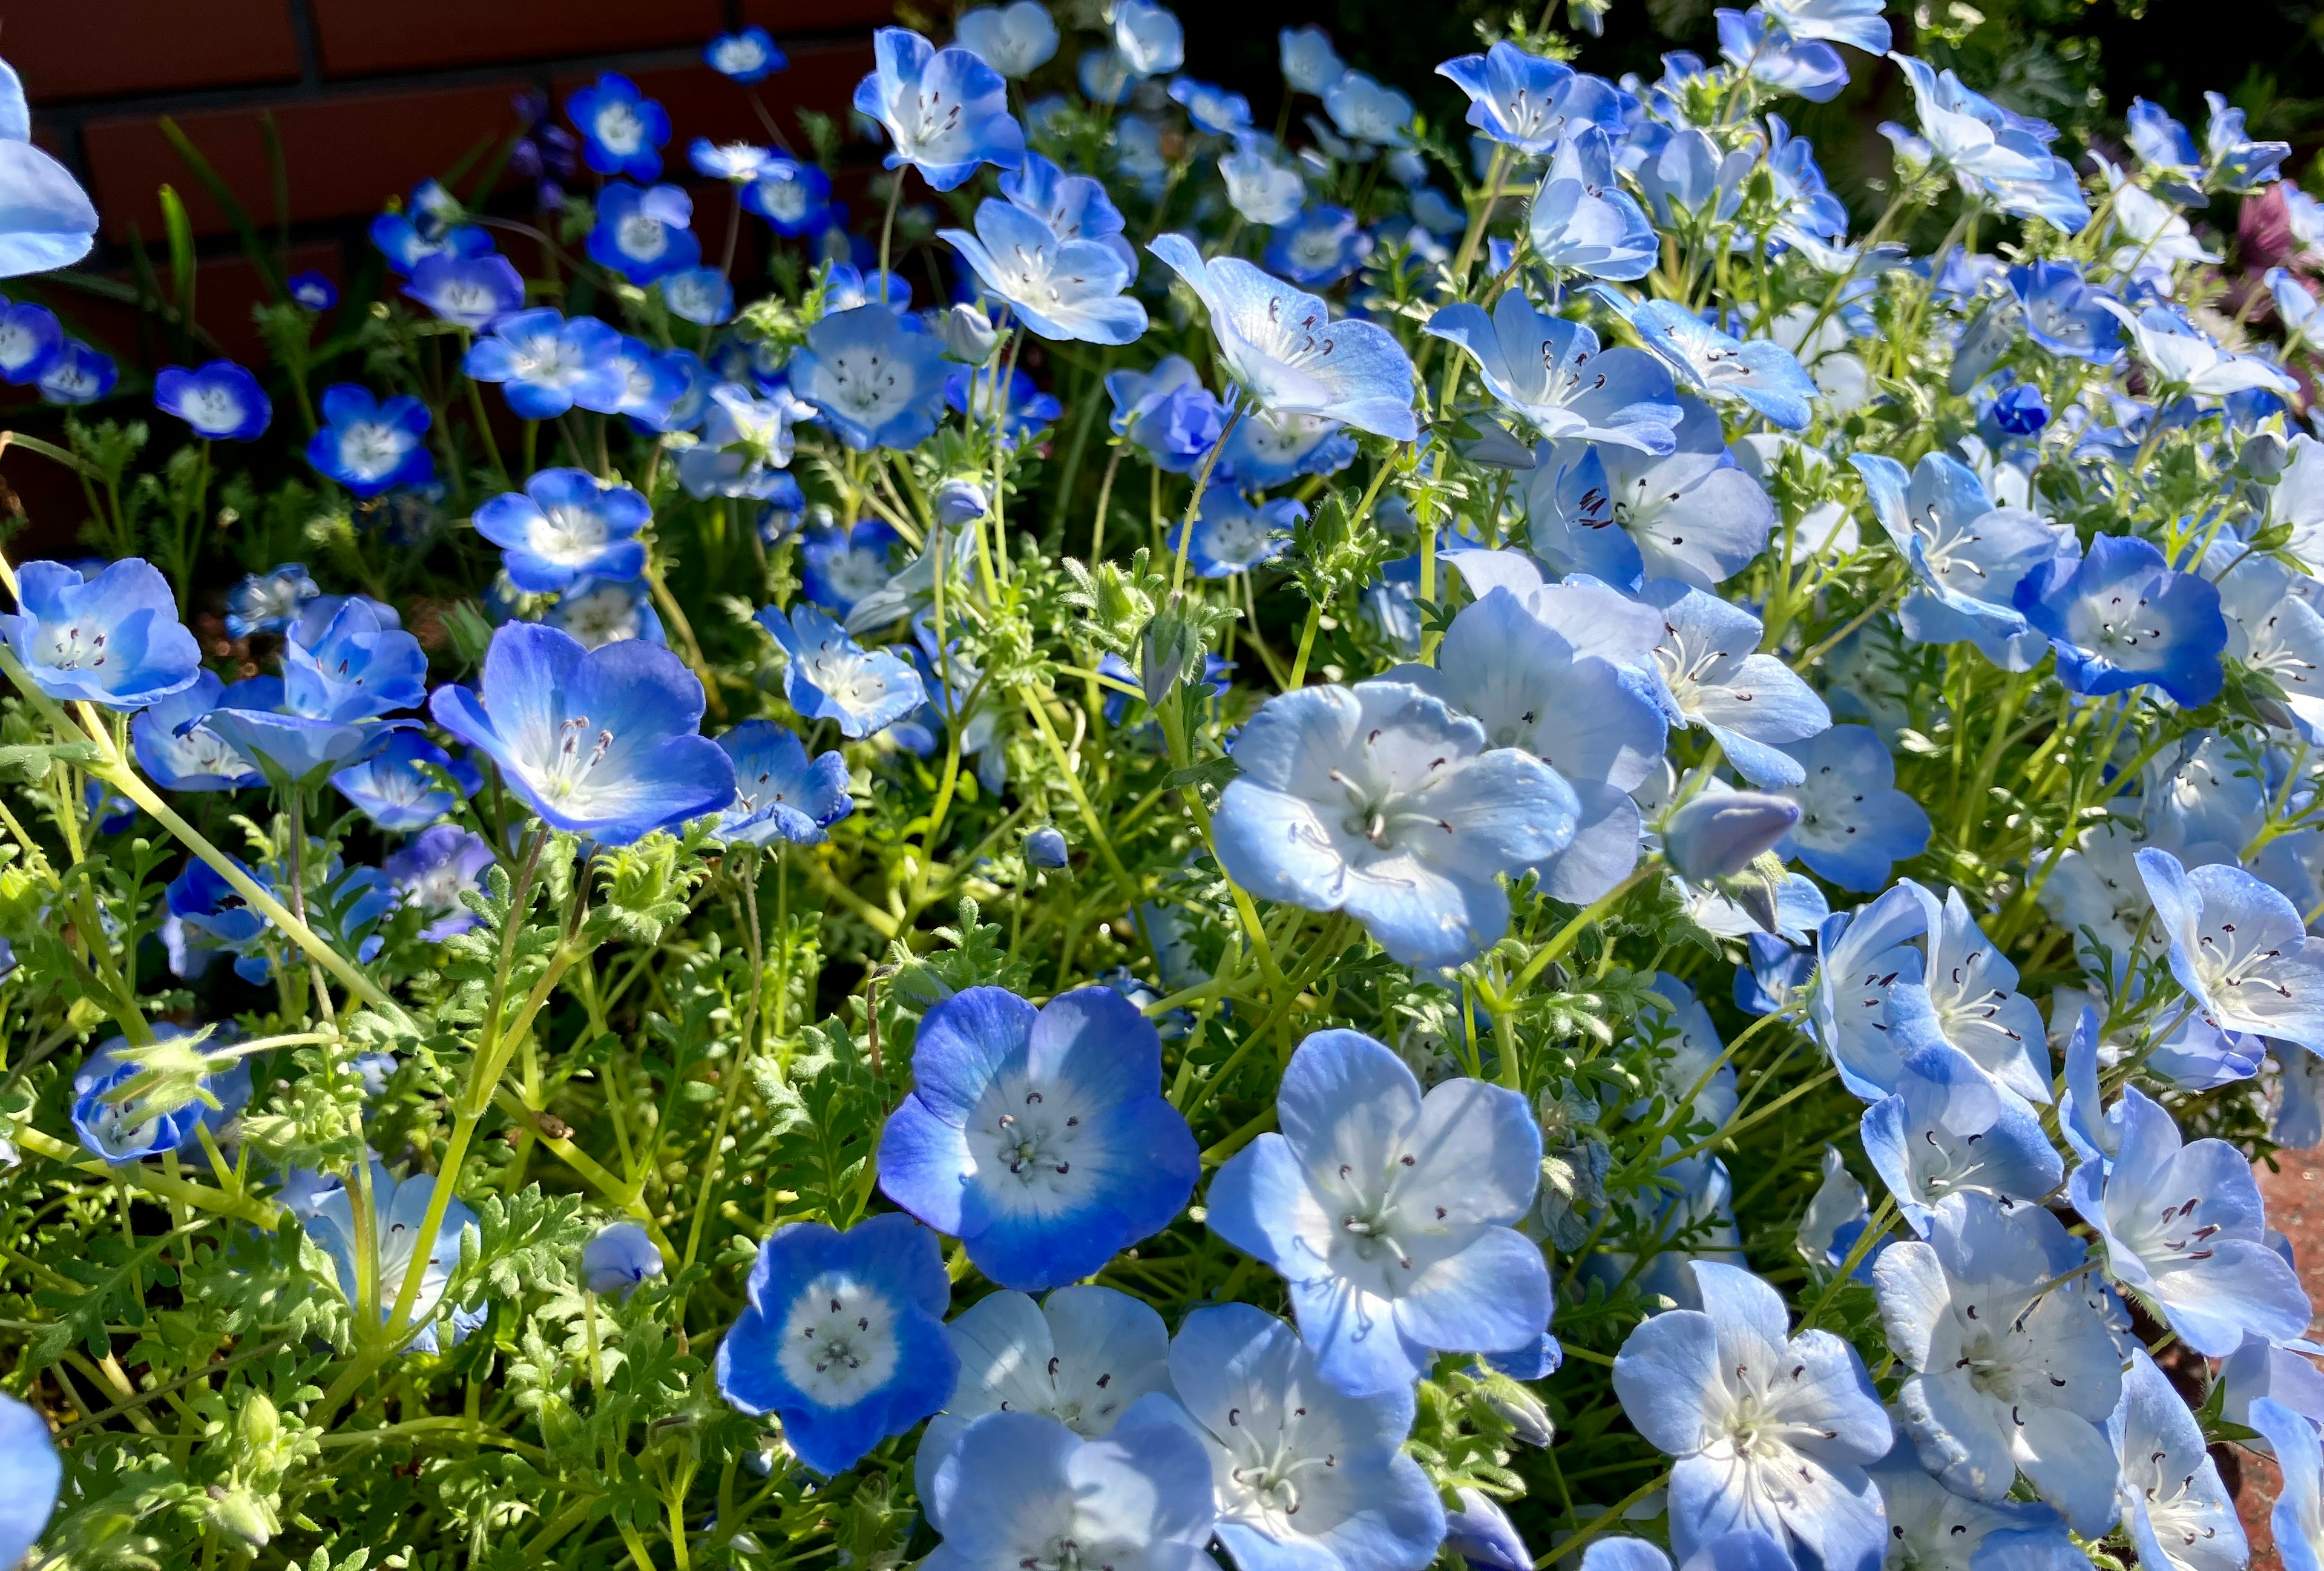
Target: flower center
{"x":620,"y":128}
{"x":69,"y":647}
{"x":371,"y":447}
{"x":577,"y":753}
{"x":641,"y":237}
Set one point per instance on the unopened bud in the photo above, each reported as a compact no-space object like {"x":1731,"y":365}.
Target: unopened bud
{"x":262,"y":1425}
{"x":1482,"y":1533}
{"x":2265,"y":454}
{"x":1717,"y":835}
{"x":969,"y":336}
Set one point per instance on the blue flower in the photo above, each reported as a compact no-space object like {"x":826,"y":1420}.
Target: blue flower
{"x":701,"y":295}
{"x":547,"y":364}
{"x":746,"y":56}
{"x":269,"y":602}
{"x":602,"y":741}
{"x":1061,"y":289}
{"x":1550,"y":371}
{"x":292,"y":750}
{"x":1771,"y":1432}
{"x":1025,"y":409}
{"x":1947,"y":1130}
{"x":1719,"y":833}
{"x":29,"y":1476}
{"x":565,"y":526}
{"x":50,"y":222}
{"x":1266,"y":449}
{"x":1233,"y":534}
{"x":2239,"y":948}
{"x":1580,"y":219}
{"x":831,"y":677}
{"x":1306,"y":1475}
{"x":1993,"y":152}
{"x":1851,"y":21}
{"x":1930,"y":1525}
{"x":1968,"y":556}
{"x":598,"y":614}
{"x":1761,"y":374}
{"x":398,"y":1211}
{"x":1038,"y":1138}
{"x":395,"y":789}
{"x":746,"y":444}
{"x":1015,"y":39}
{"x":1530,"y":102}
{"x":2165,"y":151}
{"x":206,"y":914}
{"x":2298,"y":1518}
{"x":113,"y":640}
{"x":1972,"y":990}
{"x":476,"y":293}
{"x":794,"y":198}
{"x":623,"y":132}
{"x":1260,"y":190}
{"x":2018,"y":412}
{"x":642,"y":235}
{"x":946,"y":110}
{"x":221,"y":401}
{"x":2016,"y":1370}
{"x":1323,"y":246}
{"x":1310,"y":64}
{"x":1391,"y":1230}
{"x":876,"y":382}
{"x":621,"y":1258}
{"x":840,"y":567}
{"x":1482,"y":1533}
{"x":1751,"y":704}
{"x":31,"y":339}
{"x":2119,"y":618}
{"x":122,"y":1130}
{"x":78,"y":374}
{"x":1168,"y":413}
{"x":739,"y":163}
{"x":1366,"y":111}
{"x":1854,"y":823}
{"x":1105,"y":77}
{"x":2183,"y":1227}
{"x":368,"y":445}
{"x":1020,"y":1485}
{"x":2174,"y":1506}
{"x":1380,"y":801}
{"x":182,"y":753}
{"x":1753,"y":42}
{"x":357,"y":666}
{"x":2065,"y":315}
{"x":431,"y":874}
{"x":1288,"y":353}
{"x":779,"y":794}
{"x":1692,"y":176}
{"x":1212,"y":108}
{"x":2233,"y":162}
{"x":1045,"y":848}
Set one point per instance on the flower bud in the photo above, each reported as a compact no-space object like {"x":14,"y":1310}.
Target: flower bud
{"x":2263,"y":454}
{"x":1482,"y":1531}
{"x":960,"y":502}
{"x":969,"y":336}
{"x":262,"y":1425}
{"x":1714,"y":835}
{"x":620,"y":1258}
{"x":1045,"y":847}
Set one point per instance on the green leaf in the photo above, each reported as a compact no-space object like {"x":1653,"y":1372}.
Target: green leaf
{"x":180,"y":231}
{"x":1214,"y":772}
{"x":223,"y":195}
{"x":29,"y":762}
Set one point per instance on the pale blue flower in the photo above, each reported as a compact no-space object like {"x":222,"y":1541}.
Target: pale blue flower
{"x":476,"y":293}
{"x":1015,"y":39}
{"x":1168,"y":414}
{"x":1719,"y":833}
{"x":2165,"y":151}
{"x":398,"y":1208}
{"x":831,"y":677}
{"x":120,"y":1131}
{"x":1854,"y":823}
{"x":747,"y":441}
{"x":595,"y":614}
{"x":1761,"y":374}
{"x":1530,"y":103}
{"x":1755,"y":44}
{"x":1233,"y":534}
{"x":1321,"y":246}
{"x":1258,"y":188}
{"x":1022,"y":1486}
{"x":1310,"y":64}
{"x":1388,"y":1215}
{"x":1582,"y":221}
{"x":944,"y":110}
{"x":1993,"y":152}
{"x":113,"y":640}
{"x":1045,"y":848}
{"x":1967,"y":554}
{"x":1948,"y":1130}
{"x":1973,"y":994}
{"x":643,"y":234}
{"x":1367,"y":111}
{"x":49,"y":220}
{"x":183,"y":754}
{"x":701,"y":295}
{"x":620,"y":1259}
{"x":2120,"y":618}
{"x":793,"y":197}
{"x":1771,"y":1432}
{"x":566,"y":525}
{"x":397,"y":788}
{"x":29,"y":1470}
{"x":1074,"y":205}
{"x":840,"y":567}
{"x":1212,"y":108}
{"x":1266,"y":449}
{"x":1851,"y":21}
{"x":779,"y":794}
{"x":440,"y":865}
{"x":1551,"y":370}
{"x":1930,"y":1526}
{"x":2174,"y":1506}
{"x":1713,"y":675}
{"x":2298,"y":1517}
{"x":1482,"y":1533}
{"x":876,"y":382}
{"x":2295,"y":306}
{"x":2233,"y":162}
{"x":1061,"y":288}
{"x":1690,"y":518}
{"x":1148,"y":38}
{"x":2186,"y":358}
{"x":1692,"y":178}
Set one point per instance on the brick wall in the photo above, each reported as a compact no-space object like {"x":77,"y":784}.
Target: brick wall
{"x":367,"y":99}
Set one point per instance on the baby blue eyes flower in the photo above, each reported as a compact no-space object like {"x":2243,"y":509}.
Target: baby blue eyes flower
{"x":1074,"y":205}
{"x":1380,"y":801}
{"x":701,"y":295}
{"x":396,"y":790}
{"x":1551,"y":370}
{"x":1021,"y":1486}
{"x":398,"y":1211}
{"x":30,"y":1475}
{"x":1753,"y":42}
{"x":1968,"y":556}
{"x":1268,"y":450}
{"x":1061,"y":289}
{"x":2119,"y":618}
{"x":642,"y":235}
{"x":876,"y":382}
{"x":623,"y":132}
{"x":793,"y":197}
{"x":1233,"y":534}
{"x":1851,"y":21}
{"x":1323,"y":247}
{"x":1388,"y":1215}
{"x":113,"y":640}
{"x":620,"y":1259}
{"x":2297,"y":1519}
{"x":1015,"y":39}
{"x":31,"y":339}
{"x":1258,"y":188}
{"x":370,"y":446}
{"x":1530,"y":102}
{"x":1211,"y":107}
{"x":1367,"y":111}
{"x":1760,"y":375}
{"x":1038,"y":1138}
{"x":547,"y":364}
{"x":221,"y":401}
{"x":2174,"y":1506}
{"x":2064,"y":314}
{"x":1580,"y":219}
{"x":2185,"y":358}
{"x":473,"y":292}
{"x":602,"y":742}
{"x":1771,"y":1432}
{"x":1168,"y":414}
{"x":122,"y":1130}
{"x":1930,"y":1526}
{"x":2235,"y":162}
{"x":1854,"y":823}
{"x":780,"y":795}
{"x":946,"y":110}
{"x":840,"y":567}
{"x":1949,"y":1130}
{"x":2239,"y":948}
{"x":78,"y":374}
{"x":183,"y":754}
{"x":566,"y":525}
{"x":46,"y":220}
{"x":831,"y":677}
{"x":1304,"y":1474}
{"x":1713,"y":675}
{"x":746,"y":57}
{"x":360,"y":665}
{"x":1310,"y":64}
{"x":1148,"y":38}
{"x":2183,"y":1227}
{"x":1288,"y":353}
{"x":431,"y":874}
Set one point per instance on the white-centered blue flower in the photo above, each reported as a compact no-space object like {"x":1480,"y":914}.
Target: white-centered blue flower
{"x":1851,"y":21}
{"x":1949,"y":1130}
{"x":1854,"y":824}
{"x":1581,"y":220}
{"x":779,"y":794}
{"x":1061,"y":288}
{"x":1233,"y":534}
{"x":1530,"y":103}
{"x":1760,"y":374}
{"x":1260,"y":190}
{"x":1388,"y":1214}
{"x":946,"y":111}
{"x":46,"y":220}
{"x":1015,"y":39}
{"x":564,"y":526}
{"x":30,"y":1473}
{"x":113,"y":640}
{"x":1021,"y":1487}
{"x":398,"y":1209}
{"x":1973,"y":995}
{"x":2239,"y":948}
{"x":1968,"y":556}
{"x":1551,"y":370}
{"x":2297,"y":1519}
{"x":1931,"y":1529}
{"x":876,"y":382}
{"x":2175,"y":1507}
{"x":620,"y":1259}
{"x":1369,"y":111}
{"x":1872,"y":1007}
{"x":2183,"y":357}
{"x":1712,"y":675}
{"x":1310,"y":64}
{"x":831,"y":677}
{"x":1625,"y":515}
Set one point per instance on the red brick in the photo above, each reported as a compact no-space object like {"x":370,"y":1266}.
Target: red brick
{"x":788,"y":16}
{"x":344,"y":156}
{"x":364,"y":36}
{"x":822,"y":77}
{"x":113,"y":47}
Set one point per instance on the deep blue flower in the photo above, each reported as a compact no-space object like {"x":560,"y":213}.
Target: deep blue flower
{"x":565,"y":526}
{"x":842,"y":1379}
{"x":1777,"y":972}
{"x":270,"y":602}
{"x":1021,"y":1485}
{"x":432,"y":223}
{"x":31,"y":339}
{"x":1551,"y":370}
{"x":1045,"y":847}
{"x":1755,"y":44}
{"x":1854,"y":823}
{"x":840,"y":567}
{"x":620,"y":1259}
{"x":206,"y":915}
{"x":1060,"y":287}
{"x":113,"y":640}
{"x":1380,"y":801}
{"x":46,"y":219}
{"x":121,"y":1132}
{"x":831,"y":677}
{"x":396,"y":790}
{"x":399,"y":1209}
{"x":2174,"y":1505}
{"x":746,"y":56}
{"x":473,"y":292}
{"x":1038,"y":1138}
{"x":1266,"y":449}
{"x":1288,"y":353}
{"x":1530,"y":102}
{"x":2239,"y":948}
{"x":2064,"y":314}
{"x":183,"y":754}
{"x":1968,"y":556}
{"x":369,"y":446}
{"x":875,"y":381}
{"x":1015,"y":39}
{"x":623,"y":132}
{"x":1770,"y":1431}
{"x":1949,"y":1128}
{"x":1582,"y":221}
{"x":781,"y":795}
{"x":643,"y":234}
{"x":2019,"y":411}
{"x":2119,"y":618}
{"x":1388,"y":1214}
{"x":221,"y":401}
{"x":794,"y":198}
{"x":547,"y":364}
{"x":1233,"y":534}
{"x":1322,"y":246}
{"x":78,"y":374}
{"x":1168,"y":414}
{"x":1025,"y":409}
{"x":603,"y":742}
{"x":431,"y":873}
{"x":313,"y":291}
{"x":357,"y":666}
{"x":944,"y":110}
